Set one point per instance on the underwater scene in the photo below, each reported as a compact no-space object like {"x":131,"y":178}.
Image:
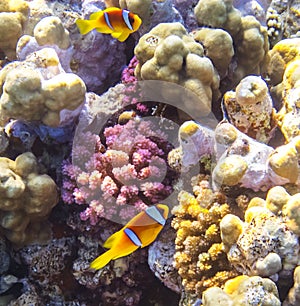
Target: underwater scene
{"x":150,"y":152}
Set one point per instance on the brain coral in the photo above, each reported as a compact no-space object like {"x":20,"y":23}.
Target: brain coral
{"x":38,"y":89}
{"x":27,"y":198}
{"x":168,"y":53}
{"x":199,"y":258}
{"x":13,"y":15}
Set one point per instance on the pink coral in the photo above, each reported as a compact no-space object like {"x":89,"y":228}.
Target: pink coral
{"x":122,"y":177}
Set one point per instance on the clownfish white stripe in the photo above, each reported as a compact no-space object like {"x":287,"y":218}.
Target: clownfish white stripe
{"x":107,"y":20}
{"x":125,"y":15}
{"x":154,"y":214}
{"x":133,"y":237}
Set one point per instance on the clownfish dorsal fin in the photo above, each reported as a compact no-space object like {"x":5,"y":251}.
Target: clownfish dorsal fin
{"x":125,"y":15}
{"x":155,"y":214}
{"x":96,"y":15}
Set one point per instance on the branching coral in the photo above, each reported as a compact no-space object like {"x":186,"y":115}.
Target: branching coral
{"x":13,"y":15}
{"x":243,"y":291}
{"x":199,"y":258}
{"x":27,"y":198}
{"x":168,"y":53}
{"x":38,"y":89}
{"x":250,"y":108}
{"x":121,"y":178}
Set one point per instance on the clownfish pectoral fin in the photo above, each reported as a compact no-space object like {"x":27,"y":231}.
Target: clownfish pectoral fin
{"x":102,"y":260}
{"x":120,"y":36}
{"x":85,"y":26}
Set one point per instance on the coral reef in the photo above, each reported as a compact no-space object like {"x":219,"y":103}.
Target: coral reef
{"x":199,"y":258}
{"x":168,"y":53}
{"x":266,"y":244}
{"x":49,"y":32}
{"x":245,"y":291}
{"x":121,"y":178}
{"x":250,"y":108}
{"x":283,"y":71}
{"x":293,"y":298}
{"x":27,"y":199}
{"x":38,"y":89}
{"x":218,"y":46}
{"x":160,"y":260}
{"x":250,"y":38}
{"x":13,"y":15}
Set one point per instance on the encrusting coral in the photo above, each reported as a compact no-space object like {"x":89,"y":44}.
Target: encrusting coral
{"x":284,"y":75}
{"x":250,"y":108}
{"x":168,"y":53}
{"x":38,"y":89}
{"x":13,"y":15}
{"x":199,"y":258}
{"x":243,"y":291}
{"x":27,"y":198}
{"x":266,"y":244}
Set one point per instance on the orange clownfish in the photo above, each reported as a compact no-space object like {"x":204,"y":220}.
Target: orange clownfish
{"x":113,"y":20}
{"x":140,"y":231}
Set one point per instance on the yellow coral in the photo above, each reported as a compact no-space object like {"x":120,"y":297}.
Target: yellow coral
{"x":27,"y":198}
{"x":13,"y":15}
{"x":199,"y":258}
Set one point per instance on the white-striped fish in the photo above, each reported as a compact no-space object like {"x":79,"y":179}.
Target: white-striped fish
{"x":139,"y":232}
{"x":115,"y":21}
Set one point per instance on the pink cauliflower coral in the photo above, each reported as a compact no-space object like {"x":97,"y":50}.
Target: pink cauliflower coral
{"x":120,"y":177}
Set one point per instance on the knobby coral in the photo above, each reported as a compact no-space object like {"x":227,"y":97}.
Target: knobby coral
{"x":168,"y":53}
{"x":27,"y":198}
{"x":38,"y":89}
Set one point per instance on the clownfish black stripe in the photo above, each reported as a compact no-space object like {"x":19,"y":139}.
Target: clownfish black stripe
{"x":133,"y":237}
{"x":155,"y":214}
{"x":125,"y":15}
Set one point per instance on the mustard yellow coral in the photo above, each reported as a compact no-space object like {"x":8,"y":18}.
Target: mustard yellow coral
{"x":199,"y":258}
{"x":13,"y":15}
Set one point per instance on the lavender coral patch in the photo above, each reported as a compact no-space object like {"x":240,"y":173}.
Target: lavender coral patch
{"x":126,"y":172}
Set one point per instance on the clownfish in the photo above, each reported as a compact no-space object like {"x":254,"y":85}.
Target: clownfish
{"x":113,"y":20}
{"x":139,"y":232}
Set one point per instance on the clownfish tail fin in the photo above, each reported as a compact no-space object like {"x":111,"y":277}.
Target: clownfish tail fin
{"x":85,"y":26}
{"x":102,"y":260}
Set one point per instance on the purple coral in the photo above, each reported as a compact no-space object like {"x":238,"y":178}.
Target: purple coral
{"x":120,"y":177}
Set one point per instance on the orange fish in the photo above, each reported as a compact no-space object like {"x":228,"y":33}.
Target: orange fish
{"x":113,"y":20}
{"x":140,"y":231}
